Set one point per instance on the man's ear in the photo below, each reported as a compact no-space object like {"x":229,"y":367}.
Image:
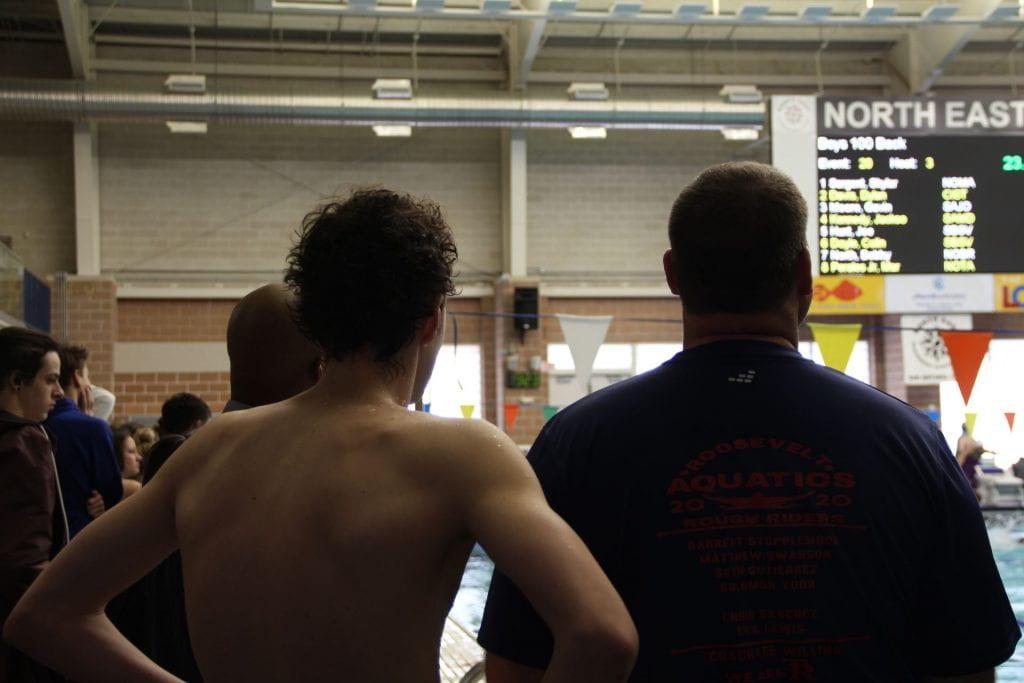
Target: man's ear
{"x":12,"y":382}
{"x":77,"y":380}
{"x":670,"y":271}
{"x":805,"y":279}
{"x":432,"y":325}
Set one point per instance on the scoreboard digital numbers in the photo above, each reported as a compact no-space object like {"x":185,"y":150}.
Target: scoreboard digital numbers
{"x":919,"y":186}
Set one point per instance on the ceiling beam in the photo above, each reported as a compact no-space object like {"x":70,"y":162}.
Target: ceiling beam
{"x":330,"y":72}
{"x":335,"y":72}
{"x":925,"y":52}
{"x":75,"y":21}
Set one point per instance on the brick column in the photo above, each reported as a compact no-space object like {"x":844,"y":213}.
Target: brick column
{"x":91,"y":321}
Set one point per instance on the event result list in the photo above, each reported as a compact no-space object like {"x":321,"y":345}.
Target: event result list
{"x":898,"y":204}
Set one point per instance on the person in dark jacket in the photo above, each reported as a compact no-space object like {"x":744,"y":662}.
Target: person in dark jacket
{"x":32,"y":523}
{"x":84,"y":448}
{"x":151,"y":614}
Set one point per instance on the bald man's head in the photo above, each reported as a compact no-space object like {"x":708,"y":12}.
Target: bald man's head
{"x":270,"y":359}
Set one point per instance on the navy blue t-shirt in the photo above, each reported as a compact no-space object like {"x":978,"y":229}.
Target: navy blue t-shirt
{"x":766,"y":518}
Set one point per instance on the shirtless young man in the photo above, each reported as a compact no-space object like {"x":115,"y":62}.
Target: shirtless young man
{"x":374,"y":508}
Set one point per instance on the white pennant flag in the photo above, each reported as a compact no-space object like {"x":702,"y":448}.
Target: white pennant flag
{"x":584,"y":334}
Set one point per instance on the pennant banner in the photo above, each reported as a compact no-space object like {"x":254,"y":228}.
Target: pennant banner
{"x":549,"y":412}
{"x":836,"y":342}
{"x":970,"y":419}
{"x":511,"y":413}
{"x":426,"y":407}
{"x":467,"y":410}
{"x":966,"y":351}
{"x":1010,"y":417}
{"x":584,"y":334}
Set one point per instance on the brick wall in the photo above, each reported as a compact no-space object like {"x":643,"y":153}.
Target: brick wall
{"x":143,"y":393}
{"x":145,"y":320}
{"x":173,"y":320}
{"x":233,"y":199}
{"x":37,"y":195}
{"x":91,"y":322}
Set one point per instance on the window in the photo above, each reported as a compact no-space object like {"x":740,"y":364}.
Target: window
{"x":996,"y":392}
{"x":455,"y":382}
{"x":859,"y":366}
{"x":650,"y":356}
{"x":614,"y":362}
{"x":616,"y":357}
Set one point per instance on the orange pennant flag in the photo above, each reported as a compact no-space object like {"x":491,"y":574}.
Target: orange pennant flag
{"x":511,"y":413}
{"x":1010,"y":418}
{"x":966,"y":351}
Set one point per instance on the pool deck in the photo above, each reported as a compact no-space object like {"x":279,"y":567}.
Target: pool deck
{"x":459,"y":652}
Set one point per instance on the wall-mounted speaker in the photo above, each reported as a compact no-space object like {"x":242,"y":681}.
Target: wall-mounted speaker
{"x":526,"y":304}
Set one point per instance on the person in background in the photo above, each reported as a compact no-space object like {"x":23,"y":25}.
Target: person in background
{"x":103,"y":402}
{"x":32,"y":522}
{"x":763,"y":517}
{"x":261,"y":328}
{"x":182,"y":414}
{"x":1018,"y":468}
{"x":89,"y":473}
{"x":968,"y":453}
{"x":373,"y":508}
{"x":129,"y":459}
{"x":144,"y":437}
{"x":151,"y":614}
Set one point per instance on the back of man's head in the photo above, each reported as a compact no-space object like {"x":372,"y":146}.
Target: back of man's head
{"x":182,"y":414}
{"x":368,"y":270}
{"x":271,"y":360}
{"x":72,"y":360}
{"x":737,"y":233}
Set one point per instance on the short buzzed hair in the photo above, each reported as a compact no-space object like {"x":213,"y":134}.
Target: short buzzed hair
{"x":737,"y":232}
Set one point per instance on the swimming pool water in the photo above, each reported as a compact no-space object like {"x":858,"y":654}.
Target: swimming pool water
{"x":1005,"y":529}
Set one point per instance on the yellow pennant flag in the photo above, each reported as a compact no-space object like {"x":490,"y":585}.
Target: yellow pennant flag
{"x":836,"y":342}
{"x":467,"y":410}
{"x":970,"y":419}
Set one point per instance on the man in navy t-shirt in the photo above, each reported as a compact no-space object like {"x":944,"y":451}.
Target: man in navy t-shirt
{"x":764,"y":518}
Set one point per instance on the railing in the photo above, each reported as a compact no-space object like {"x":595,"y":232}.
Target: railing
{"x":24,"y":298}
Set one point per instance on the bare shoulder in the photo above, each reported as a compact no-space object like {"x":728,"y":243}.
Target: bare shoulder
{"x":199,"y":450}
{"x":470,"y":452}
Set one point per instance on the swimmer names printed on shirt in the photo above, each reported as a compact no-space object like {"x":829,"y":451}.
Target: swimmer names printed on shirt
{"x":759,"y":520}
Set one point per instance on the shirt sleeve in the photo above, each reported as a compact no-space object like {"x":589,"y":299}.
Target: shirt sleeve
{"x":964,"y":622}
{"x":511,"y":627}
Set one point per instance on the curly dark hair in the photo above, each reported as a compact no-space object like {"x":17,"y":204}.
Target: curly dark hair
{"x":367,"y":270}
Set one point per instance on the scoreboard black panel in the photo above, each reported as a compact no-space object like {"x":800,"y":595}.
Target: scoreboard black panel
{"x":912,"y":201}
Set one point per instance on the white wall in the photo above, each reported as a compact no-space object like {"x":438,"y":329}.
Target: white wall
{"x":37,"y":196}
{"x":603,"y":205}
{"x":231,"y":200}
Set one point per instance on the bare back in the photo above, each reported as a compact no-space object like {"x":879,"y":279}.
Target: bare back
{"x":321,"y":544}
